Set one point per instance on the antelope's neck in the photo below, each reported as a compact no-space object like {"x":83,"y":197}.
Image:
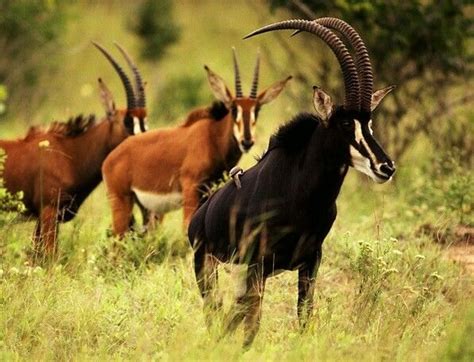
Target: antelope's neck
{"x":325,"y":167}
{"x":89,"y":151}
{"x":227,"y":149}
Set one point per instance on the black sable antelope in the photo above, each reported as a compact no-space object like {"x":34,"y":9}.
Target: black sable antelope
{"x":278,"y":214}
{"x":58,"y":168}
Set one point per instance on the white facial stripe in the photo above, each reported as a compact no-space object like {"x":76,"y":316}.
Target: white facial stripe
{"x":240,"y":112}
{"x":237,"y":128}
{"x":136,"y":126}
{"x":370,"y":127}
{"x":359,"y":137}
{"x":252,"y":121}
{"x":358,"y":131}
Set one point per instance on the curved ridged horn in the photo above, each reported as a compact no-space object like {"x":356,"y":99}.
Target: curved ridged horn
{"x":364,"y":67}
{"x":139,"y":86}
{"x":253,"y":90}
{"x":238,"y":83}
{"x":351,"y":81}
{"x":126,"y":82}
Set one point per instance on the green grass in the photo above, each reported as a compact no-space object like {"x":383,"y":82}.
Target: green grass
{"x":384,"y":291}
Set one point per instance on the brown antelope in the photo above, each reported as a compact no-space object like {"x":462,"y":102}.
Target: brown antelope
{"x":58,"y":167}
{"x":164,"y":169}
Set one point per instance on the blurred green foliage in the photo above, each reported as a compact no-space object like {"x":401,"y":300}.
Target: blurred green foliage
{"x":156,"y":28}
{"x":178,"y":96}
{"x":27,"y":28}
{"x":431,"y":35}
{"x":3,"y":98}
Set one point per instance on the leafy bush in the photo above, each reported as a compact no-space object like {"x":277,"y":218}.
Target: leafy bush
{"x":179,"y":96}
{"x":8,"y":202}
{"x":446,"y":188}
{"x":155,"y":26}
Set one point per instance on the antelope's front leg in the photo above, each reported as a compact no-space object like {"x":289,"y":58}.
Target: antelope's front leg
{"x":46,"y":234}
{"x":190,"y":198}
{"x":249,"y":305}
{"x":306,"y":281}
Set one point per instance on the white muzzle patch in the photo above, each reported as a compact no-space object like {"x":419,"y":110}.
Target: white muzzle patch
{"x":362,"y":163}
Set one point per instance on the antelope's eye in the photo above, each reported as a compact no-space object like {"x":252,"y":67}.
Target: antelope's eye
{"x":234,"y":112}
{"x":347,"y":124}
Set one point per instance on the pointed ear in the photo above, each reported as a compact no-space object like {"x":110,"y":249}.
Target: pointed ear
{"x":106,"y":98}
{"x":273,"y":91}
{"x":218,"y":87}
{"x":379,"y":95}
{"x":322,"y":104}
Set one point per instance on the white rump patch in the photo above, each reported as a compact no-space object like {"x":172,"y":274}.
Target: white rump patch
{"x":160,"y":203}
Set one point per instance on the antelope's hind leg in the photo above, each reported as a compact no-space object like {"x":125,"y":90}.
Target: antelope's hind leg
{"x":249,"y":305}
{"x":122,"y":206}
{"x":205,"y":268}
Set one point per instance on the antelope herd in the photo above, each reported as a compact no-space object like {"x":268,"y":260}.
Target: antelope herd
{"x":272,"y":217}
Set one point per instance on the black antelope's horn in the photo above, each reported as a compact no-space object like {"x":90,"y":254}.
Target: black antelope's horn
{"x":238,"y":83}
{"x":364,"y":67}
{"x":351,"y":81}
{"x":139,"y":86}
{"x":126,"y":82}
{"x":253,"y":91}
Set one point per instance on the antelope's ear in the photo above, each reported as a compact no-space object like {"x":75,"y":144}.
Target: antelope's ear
{"x":377,"y":96}
{"x":322,"y":104}
{"x":106,"y":98}
{"x":218,"y":87}
{"x":273,"y":91}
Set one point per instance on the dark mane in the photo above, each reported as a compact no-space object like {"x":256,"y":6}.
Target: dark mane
{"x":216,"y":111}
{"x":73,"y":127}
{"x":296,"y":133}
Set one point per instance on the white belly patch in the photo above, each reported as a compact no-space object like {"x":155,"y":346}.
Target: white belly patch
{"x":160,"y":203}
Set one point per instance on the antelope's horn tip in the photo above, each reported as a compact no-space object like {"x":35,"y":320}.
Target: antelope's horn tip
{"x":249,"y":35}
{"x":289,"y":77}
{"x":206,"y":67}
{"x":296,"y":32}
{"x":99,"y":80}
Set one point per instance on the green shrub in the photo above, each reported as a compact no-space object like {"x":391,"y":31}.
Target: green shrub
{"x":447,"y":188}
{"x":179,"y":96}
{"x":156,"y":28}
{"x":8,"y":202}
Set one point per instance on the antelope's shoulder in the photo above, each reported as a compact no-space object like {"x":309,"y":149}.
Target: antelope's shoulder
{"x":295,"y":134}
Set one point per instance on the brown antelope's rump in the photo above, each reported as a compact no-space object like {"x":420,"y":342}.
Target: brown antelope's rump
{"x":163,"y":169}
{"x":56,"y":168}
